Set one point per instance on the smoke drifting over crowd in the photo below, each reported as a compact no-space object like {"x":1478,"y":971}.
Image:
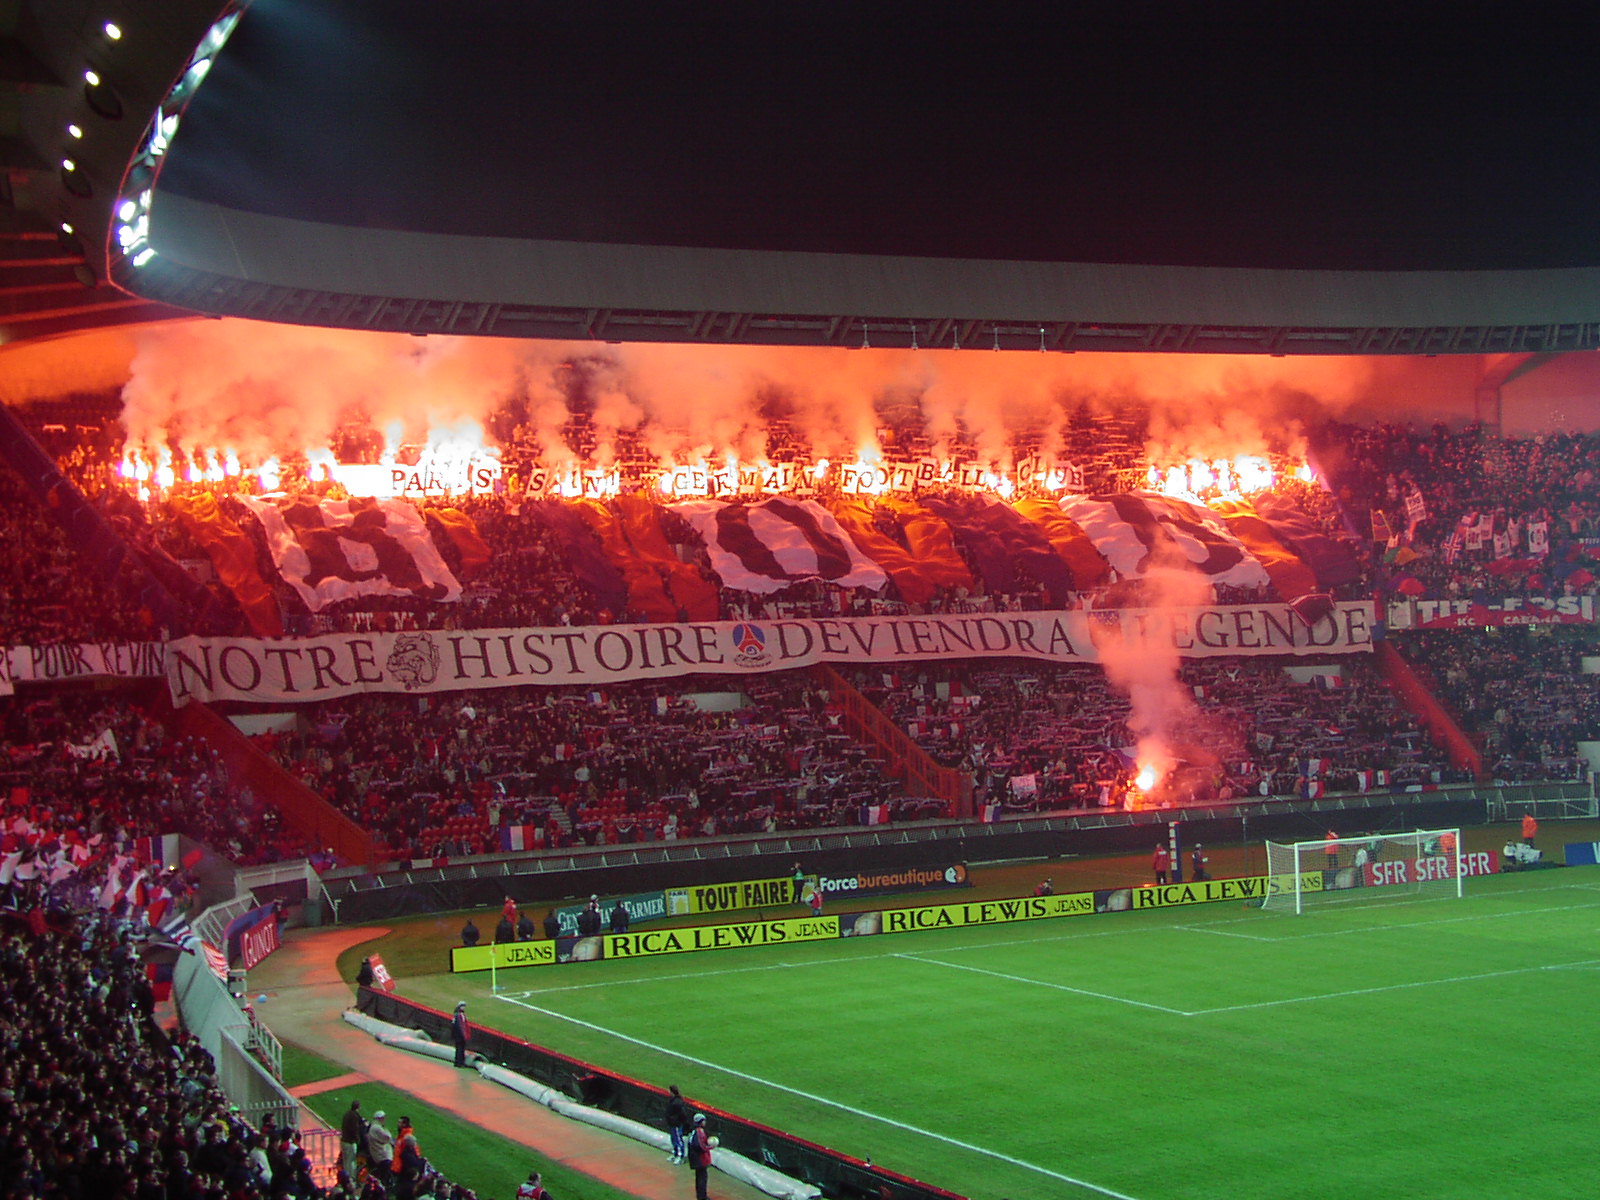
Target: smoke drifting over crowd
{"x":270,"y":390}
{"x":1164,"y":721}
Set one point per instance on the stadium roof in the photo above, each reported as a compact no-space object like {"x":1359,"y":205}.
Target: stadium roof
{"x":1366,"y":178}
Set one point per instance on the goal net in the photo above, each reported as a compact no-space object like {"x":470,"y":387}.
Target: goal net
{"x":1382,"y":866}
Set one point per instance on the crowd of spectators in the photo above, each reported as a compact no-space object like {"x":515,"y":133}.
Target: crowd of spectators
{"x":95,"y":1100}
{"x":1462,"y":514}
{"x":1041,"y":737}
{"x":48,"y":593}
{"x":644,"y":762}
{"x":98,"y":1099}
{"x":1520,"y":693}
{"x":93,"y":761}
{"x":627,"y":763}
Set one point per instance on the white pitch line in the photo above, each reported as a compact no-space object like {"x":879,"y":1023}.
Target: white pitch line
{"x":1060,"y":987}
{"x":842,"y":1107}
{"x":1391,"y":987}
{"x":1384,"y":928}
{"x":1248,"y":937}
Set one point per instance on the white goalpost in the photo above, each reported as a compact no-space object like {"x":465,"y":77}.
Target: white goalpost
{"x":1382,"y":866}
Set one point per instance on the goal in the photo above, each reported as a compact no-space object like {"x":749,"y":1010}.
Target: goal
{"x":1382,"y":866}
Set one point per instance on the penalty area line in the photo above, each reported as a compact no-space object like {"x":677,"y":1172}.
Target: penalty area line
{"x":1394,"y":987}
{"x":1060,"y":987}
{"x":816,"y":1099}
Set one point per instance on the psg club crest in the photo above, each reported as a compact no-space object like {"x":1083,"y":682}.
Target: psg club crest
{"x":749,"y":645}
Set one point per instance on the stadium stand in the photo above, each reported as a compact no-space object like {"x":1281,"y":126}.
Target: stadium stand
{"x":1520,"y":693}
{"x":631,"y":763}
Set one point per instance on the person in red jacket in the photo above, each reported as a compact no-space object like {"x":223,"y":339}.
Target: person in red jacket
{"x":1161,"y":863}
{"x":700,"y":1156}
{"x":1530,"y":828}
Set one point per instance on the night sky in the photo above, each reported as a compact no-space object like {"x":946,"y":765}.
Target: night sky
{"x":1393,"y":136}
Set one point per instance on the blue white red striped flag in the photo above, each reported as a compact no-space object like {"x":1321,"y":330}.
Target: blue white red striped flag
{"x":520,"y":837}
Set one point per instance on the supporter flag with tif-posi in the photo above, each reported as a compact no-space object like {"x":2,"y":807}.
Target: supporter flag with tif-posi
{"x":1138,"y":532}
{"x":333,"y":550}
{"x":766,"y":546}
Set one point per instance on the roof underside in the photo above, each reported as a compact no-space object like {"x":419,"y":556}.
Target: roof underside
{"x":1155,"y":177}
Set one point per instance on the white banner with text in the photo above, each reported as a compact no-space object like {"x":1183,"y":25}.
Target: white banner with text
{"x":327,"y":667}
{"x":59,"y":662}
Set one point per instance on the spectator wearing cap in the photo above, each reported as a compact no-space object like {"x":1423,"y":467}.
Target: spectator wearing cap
{"x":380,"y":1147}
{"x":460,"y":1031}
{"x":700,"y":1156}
{"x":533,"y":1188}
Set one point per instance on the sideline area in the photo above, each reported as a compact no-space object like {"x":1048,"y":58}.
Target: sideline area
{"x":305,"y":998}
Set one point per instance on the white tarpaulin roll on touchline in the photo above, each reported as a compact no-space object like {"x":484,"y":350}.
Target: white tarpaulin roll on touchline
{"x":748,"y":1171}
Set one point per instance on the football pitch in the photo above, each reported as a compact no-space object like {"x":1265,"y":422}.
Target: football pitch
{"x":1403,"y":1047}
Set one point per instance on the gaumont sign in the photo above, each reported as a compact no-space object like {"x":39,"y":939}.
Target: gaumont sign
{"x":327,"y":667}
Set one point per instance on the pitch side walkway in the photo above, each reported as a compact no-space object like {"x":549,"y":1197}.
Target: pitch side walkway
{"x":305,"y":998}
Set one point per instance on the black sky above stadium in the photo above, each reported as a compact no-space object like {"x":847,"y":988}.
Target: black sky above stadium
{"x":1362,"y":136}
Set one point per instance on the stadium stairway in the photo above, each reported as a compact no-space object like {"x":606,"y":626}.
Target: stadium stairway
{"x":902,"y":758}
{"x":318,"y":822}
{"x":47,"y":287}
{"x":1416,"y":696}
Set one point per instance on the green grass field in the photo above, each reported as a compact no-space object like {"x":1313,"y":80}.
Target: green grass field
{"x":1414,"y":1048}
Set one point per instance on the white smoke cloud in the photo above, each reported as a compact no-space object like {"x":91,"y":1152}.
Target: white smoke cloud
{"x":1163,"y":720}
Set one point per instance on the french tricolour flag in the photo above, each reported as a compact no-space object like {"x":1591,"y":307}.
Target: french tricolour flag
{"x":520,"y":837}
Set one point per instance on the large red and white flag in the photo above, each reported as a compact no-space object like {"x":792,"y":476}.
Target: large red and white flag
{"x":1137,"y":531}
{"x":767,"y":546}
{"x":337,"y":550}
